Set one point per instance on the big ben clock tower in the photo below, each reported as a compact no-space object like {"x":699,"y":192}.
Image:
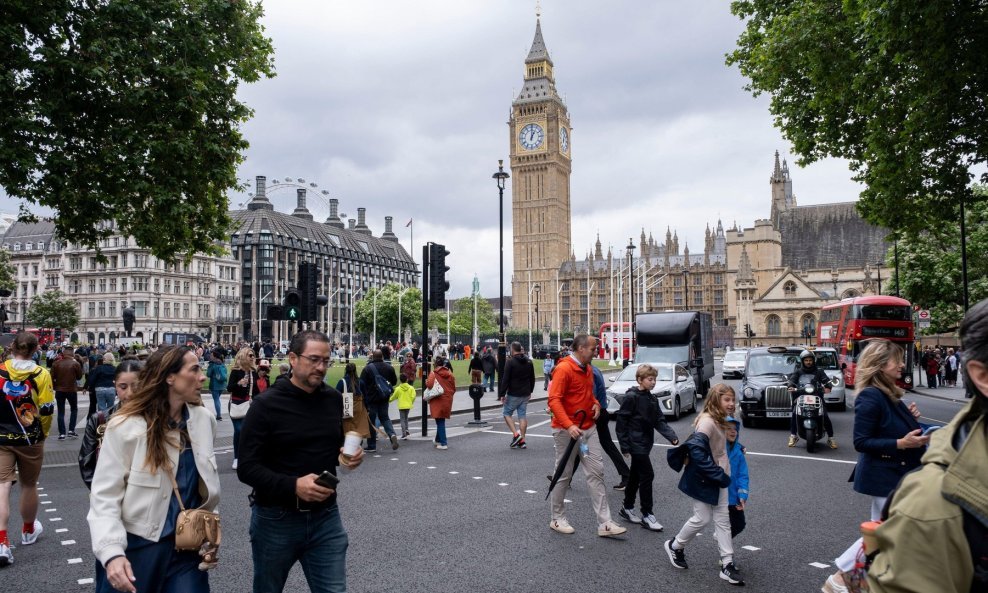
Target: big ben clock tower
{"x":540,"y":204}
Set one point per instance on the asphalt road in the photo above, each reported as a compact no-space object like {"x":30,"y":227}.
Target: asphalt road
{"x":473,"y":518}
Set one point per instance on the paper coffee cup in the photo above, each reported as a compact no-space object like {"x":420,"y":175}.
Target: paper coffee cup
{"x":351,"y":443}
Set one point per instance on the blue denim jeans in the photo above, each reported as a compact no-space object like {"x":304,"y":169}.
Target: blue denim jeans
{"x":378,"y":413}
{"x":489,"y":381}
{"x":217,"y":394}
{"x":105,"y":397}
{"x":236,"y":435}
{"x":72,"y":398}
{"x":279,"y":538}
{"x":159,"y":568}
{"x":441,"y":431}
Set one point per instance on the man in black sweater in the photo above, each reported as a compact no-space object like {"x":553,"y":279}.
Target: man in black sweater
{"x":289,"y":437}
{"x":375,"y":401}
{"x":517,"y":384}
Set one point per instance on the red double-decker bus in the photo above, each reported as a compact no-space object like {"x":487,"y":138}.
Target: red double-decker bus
{"x":848,"y":325}
{"x":615,"y":338}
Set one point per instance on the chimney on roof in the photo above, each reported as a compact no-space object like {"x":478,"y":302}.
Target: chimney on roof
{"x":300,"y":210}
{"x":260,"y":200}
{"x":334,"y":219}
{"x":388,"y":232}
{"x":362,"y":222}
{"x":351,"y":223}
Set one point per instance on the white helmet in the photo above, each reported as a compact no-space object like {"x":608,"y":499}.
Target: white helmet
{"x":806,"y":354}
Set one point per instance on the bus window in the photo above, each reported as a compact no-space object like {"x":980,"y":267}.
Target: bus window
{"x":882,"y":313}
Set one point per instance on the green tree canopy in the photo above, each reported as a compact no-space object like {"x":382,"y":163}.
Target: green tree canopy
{"x":127,"y":110}
{"x":52,"y":309}
{"x":930,"y":266}
{"x":7,"y":271}
{"x":387,"y":310}
{"x":461,"y":317}
{"x":897,"y":87}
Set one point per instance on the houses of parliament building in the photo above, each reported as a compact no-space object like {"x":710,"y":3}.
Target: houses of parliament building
{"x":772,"y":276}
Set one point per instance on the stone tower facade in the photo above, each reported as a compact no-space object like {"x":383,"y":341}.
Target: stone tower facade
{"x":540,"y":145}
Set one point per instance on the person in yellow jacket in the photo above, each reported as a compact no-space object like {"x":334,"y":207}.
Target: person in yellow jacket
{"x":405,"y":395}
{"x":25,"y":419}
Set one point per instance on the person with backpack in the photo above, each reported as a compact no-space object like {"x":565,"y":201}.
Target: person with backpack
{"x":218,"y":376}
{"x":934,"y":530}
{"x":377,"y":383}
{"x":25,"y":419}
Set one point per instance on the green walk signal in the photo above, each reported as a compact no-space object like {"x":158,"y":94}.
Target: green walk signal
{"x":292,"y":305}
{"x":292,"y":313}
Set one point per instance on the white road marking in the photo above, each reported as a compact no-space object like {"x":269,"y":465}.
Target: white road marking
{"x":431,"y":467}
{"x":566,"y":500}
{"x":453,"y":473}
{"x":819,"y":565}
{"x":542,"y":436}
{"x":50,"y":510}
{"x":394,"y":459}
{"x":42,"y":495}
{"x":53,"y":519}
{"x":936,"y":420}
{"x":478,"y":478}
{"x":75,"y":560}
{"x":376,"y":456}
{"x":412,"y":462}
{"x":62,"y":530}
{"x":502,"y":484}
{"x":749,"y":452}
{"x":68,"y":542}
{"x":540,"y":423}
{"x":85,"y":581}
{"x":45,"y":502}
{"x":40,"y":489}
{"x":530,"y":492}
{"x":752,"y":548}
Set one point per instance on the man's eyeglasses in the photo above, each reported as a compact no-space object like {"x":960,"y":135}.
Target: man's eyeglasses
{"x":317,"y":360}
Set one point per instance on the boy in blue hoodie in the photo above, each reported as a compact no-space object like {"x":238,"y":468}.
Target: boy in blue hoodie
{"x":737,"y":492}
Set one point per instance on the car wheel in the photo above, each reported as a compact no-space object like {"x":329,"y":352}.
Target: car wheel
{"x":747,"y":421}
{"x":842,"y":406}
{"x":677,"y":412}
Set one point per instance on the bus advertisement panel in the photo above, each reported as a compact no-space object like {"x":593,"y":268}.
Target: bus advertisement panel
{"x":616,"y":341}
{"x":848,"y":325}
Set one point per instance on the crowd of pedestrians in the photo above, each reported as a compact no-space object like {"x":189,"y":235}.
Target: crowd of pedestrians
{"x":941,"y":365}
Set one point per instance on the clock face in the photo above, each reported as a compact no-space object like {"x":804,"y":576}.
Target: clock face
{"x":531,"y":136}
{"x":564,"y":139}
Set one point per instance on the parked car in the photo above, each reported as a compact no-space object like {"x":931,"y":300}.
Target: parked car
{"x":674,"y":386}
{"x":543,"y":351}
{"x":733,"y":365}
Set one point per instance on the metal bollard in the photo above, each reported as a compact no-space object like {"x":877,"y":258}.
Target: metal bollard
{"x":476,"y":392}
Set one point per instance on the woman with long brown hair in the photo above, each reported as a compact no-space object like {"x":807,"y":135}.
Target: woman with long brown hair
{"x":160,"y":438}
{"x":243,"y":386}
{"x":887,"y":435}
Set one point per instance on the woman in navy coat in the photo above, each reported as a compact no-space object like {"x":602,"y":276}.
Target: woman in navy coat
{"x":887,"y":436}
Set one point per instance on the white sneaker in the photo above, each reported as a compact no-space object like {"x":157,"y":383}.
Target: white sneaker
{"x":561,"y":525}
{"x":234,"y":463}
{"x":6,"y":556}
{"x":630,"y":515}
{"x":649,"y":522}
{"x":610,"y":529}
{"x":29,"y":538}
{"x":834,"y":584}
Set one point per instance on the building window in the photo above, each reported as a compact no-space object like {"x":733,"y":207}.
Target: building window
{"x":718,"y":297}
{"x":808,"y":326}
{"x":697,"y":297}
{"x":657,"y":299}
{"x":789,"y":288}
{"x":102,"y":309}
{"x":140,"y":308}
{"x":773,"y":325}
{"x":92,"y":310}
{"x":677,"y":281}
{"x":677,"y":299}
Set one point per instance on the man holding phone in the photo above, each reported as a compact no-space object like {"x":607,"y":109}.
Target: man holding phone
{"x":290,"y":448}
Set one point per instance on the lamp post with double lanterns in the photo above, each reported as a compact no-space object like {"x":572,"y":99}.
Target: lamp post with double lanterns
{"x":538,"y":290}
{"x":501,"y":178}
{"x":631,"y":292}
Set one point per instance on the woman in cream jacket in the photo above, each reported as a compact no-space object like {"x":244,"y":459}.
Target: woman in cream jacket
{"x":162,"y":432}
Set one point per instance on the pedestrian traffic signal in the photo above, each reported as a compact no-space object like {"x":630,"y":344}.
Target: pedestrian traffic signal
{"x":292,"y":305}
{"x":438,"y":285}
{"x":747,"y":331}
{"x":276,"y":312}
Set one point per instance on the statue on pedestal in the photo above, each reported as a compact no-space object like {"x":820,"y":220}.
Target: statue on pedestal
{"x":128,"y":319}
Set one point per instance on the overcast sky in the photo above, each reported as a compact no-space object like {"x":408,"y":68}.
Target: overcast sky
{"x":401,"y":107}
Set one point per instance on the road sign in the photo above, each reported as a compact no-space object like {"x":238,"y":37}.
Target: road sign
{"x":924,"y":323}
{"x":924,"y":315}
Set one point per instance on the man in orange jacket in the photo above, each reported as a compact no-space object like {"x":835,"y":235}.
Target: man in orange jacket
{"x":574,"y":410}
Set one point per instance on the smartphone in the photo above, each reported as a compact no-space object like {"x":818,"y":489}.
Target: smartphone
{"x":328,"y":480}
{"x":929,"y":430}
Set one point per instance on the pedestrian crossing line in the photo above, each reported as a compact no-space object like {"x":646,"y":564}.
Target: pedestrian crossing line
{"x":531,"y":492}
{"x":478,"y":477}
{"x":68,"y":542}
{"x":62,"y":530}
{"x":50,"y":510}
{"x":42,"y":495}
{"x":85,"y":581}
{"x":75,"y":560}
{"x":412,"y":462}
{"x":53,"y":519}
{"x":819,"y":565}
{"x":45,"y":502}
{"x":750,"y":548}
{"x":394,"y":459}
{"x":540,"y":423}
{"x":503,"y":484}
{"x":430,"y":467}
{"x":567,"y":501}
{"x":453,"y":473}
{"x":40,"y":489}
{"x":527,"y":435}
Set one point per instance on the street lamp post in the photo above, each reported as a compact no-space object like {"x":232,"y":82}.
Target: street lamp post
{"x":401,"y":292}
{"x":157,"y":317}
{"x":538,"y":290}
{"x":23,"y":314}
{"x":352,"y":299}
{"x":501,"y":177}
{"x":559,"y":333}
{"x":878,"y":266}
{"x":631,"y":292}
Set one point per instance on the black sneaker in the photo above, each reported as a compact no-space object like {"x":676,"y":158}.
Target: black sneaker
{"x":622,"y":485}
{"x":73,"y":434}
{"x":678,"y":557}
{"x":515,"y":440}
{"x":522,"y":445}
{"x":732,"y":575}
{"x":61,"y":437}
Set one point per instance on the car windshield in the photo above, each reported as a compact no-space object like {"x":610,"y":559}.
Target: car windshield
{"x":628,"y":374}
{"x":735,"y":356}
{"x":665,"y":354}
{"x":771,"y":363}
{"x":826,"y":360}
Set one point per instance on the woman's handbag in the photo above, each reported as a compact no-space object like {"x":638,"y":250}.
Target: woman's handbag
{"x":433,"y":392}
{"x":239,"y":411}
{"x":197,"y":530}
{"x":359,"y":420}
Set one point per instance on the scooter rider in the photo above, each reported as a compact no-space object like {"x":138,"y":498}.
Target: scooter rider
{"x":807,"y":366}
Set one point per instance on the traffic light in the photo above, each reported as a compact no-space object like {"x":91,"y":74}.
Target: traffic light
{"x":438,"y":285}
{"x":307,"y":286}
{"x":292,"y":305}
{"x":276,"y":312}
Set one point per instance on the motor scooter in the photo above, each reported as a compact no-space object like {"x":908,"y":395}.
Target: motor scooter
{"x":808,"y":405}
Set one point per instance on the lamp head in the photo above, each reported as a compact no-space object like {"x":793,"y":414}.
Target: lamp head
{"x":501,"y":176}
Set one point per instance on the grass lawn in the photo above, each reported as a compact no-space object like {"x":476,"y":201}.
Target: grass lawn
{"x":461,"y":370}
